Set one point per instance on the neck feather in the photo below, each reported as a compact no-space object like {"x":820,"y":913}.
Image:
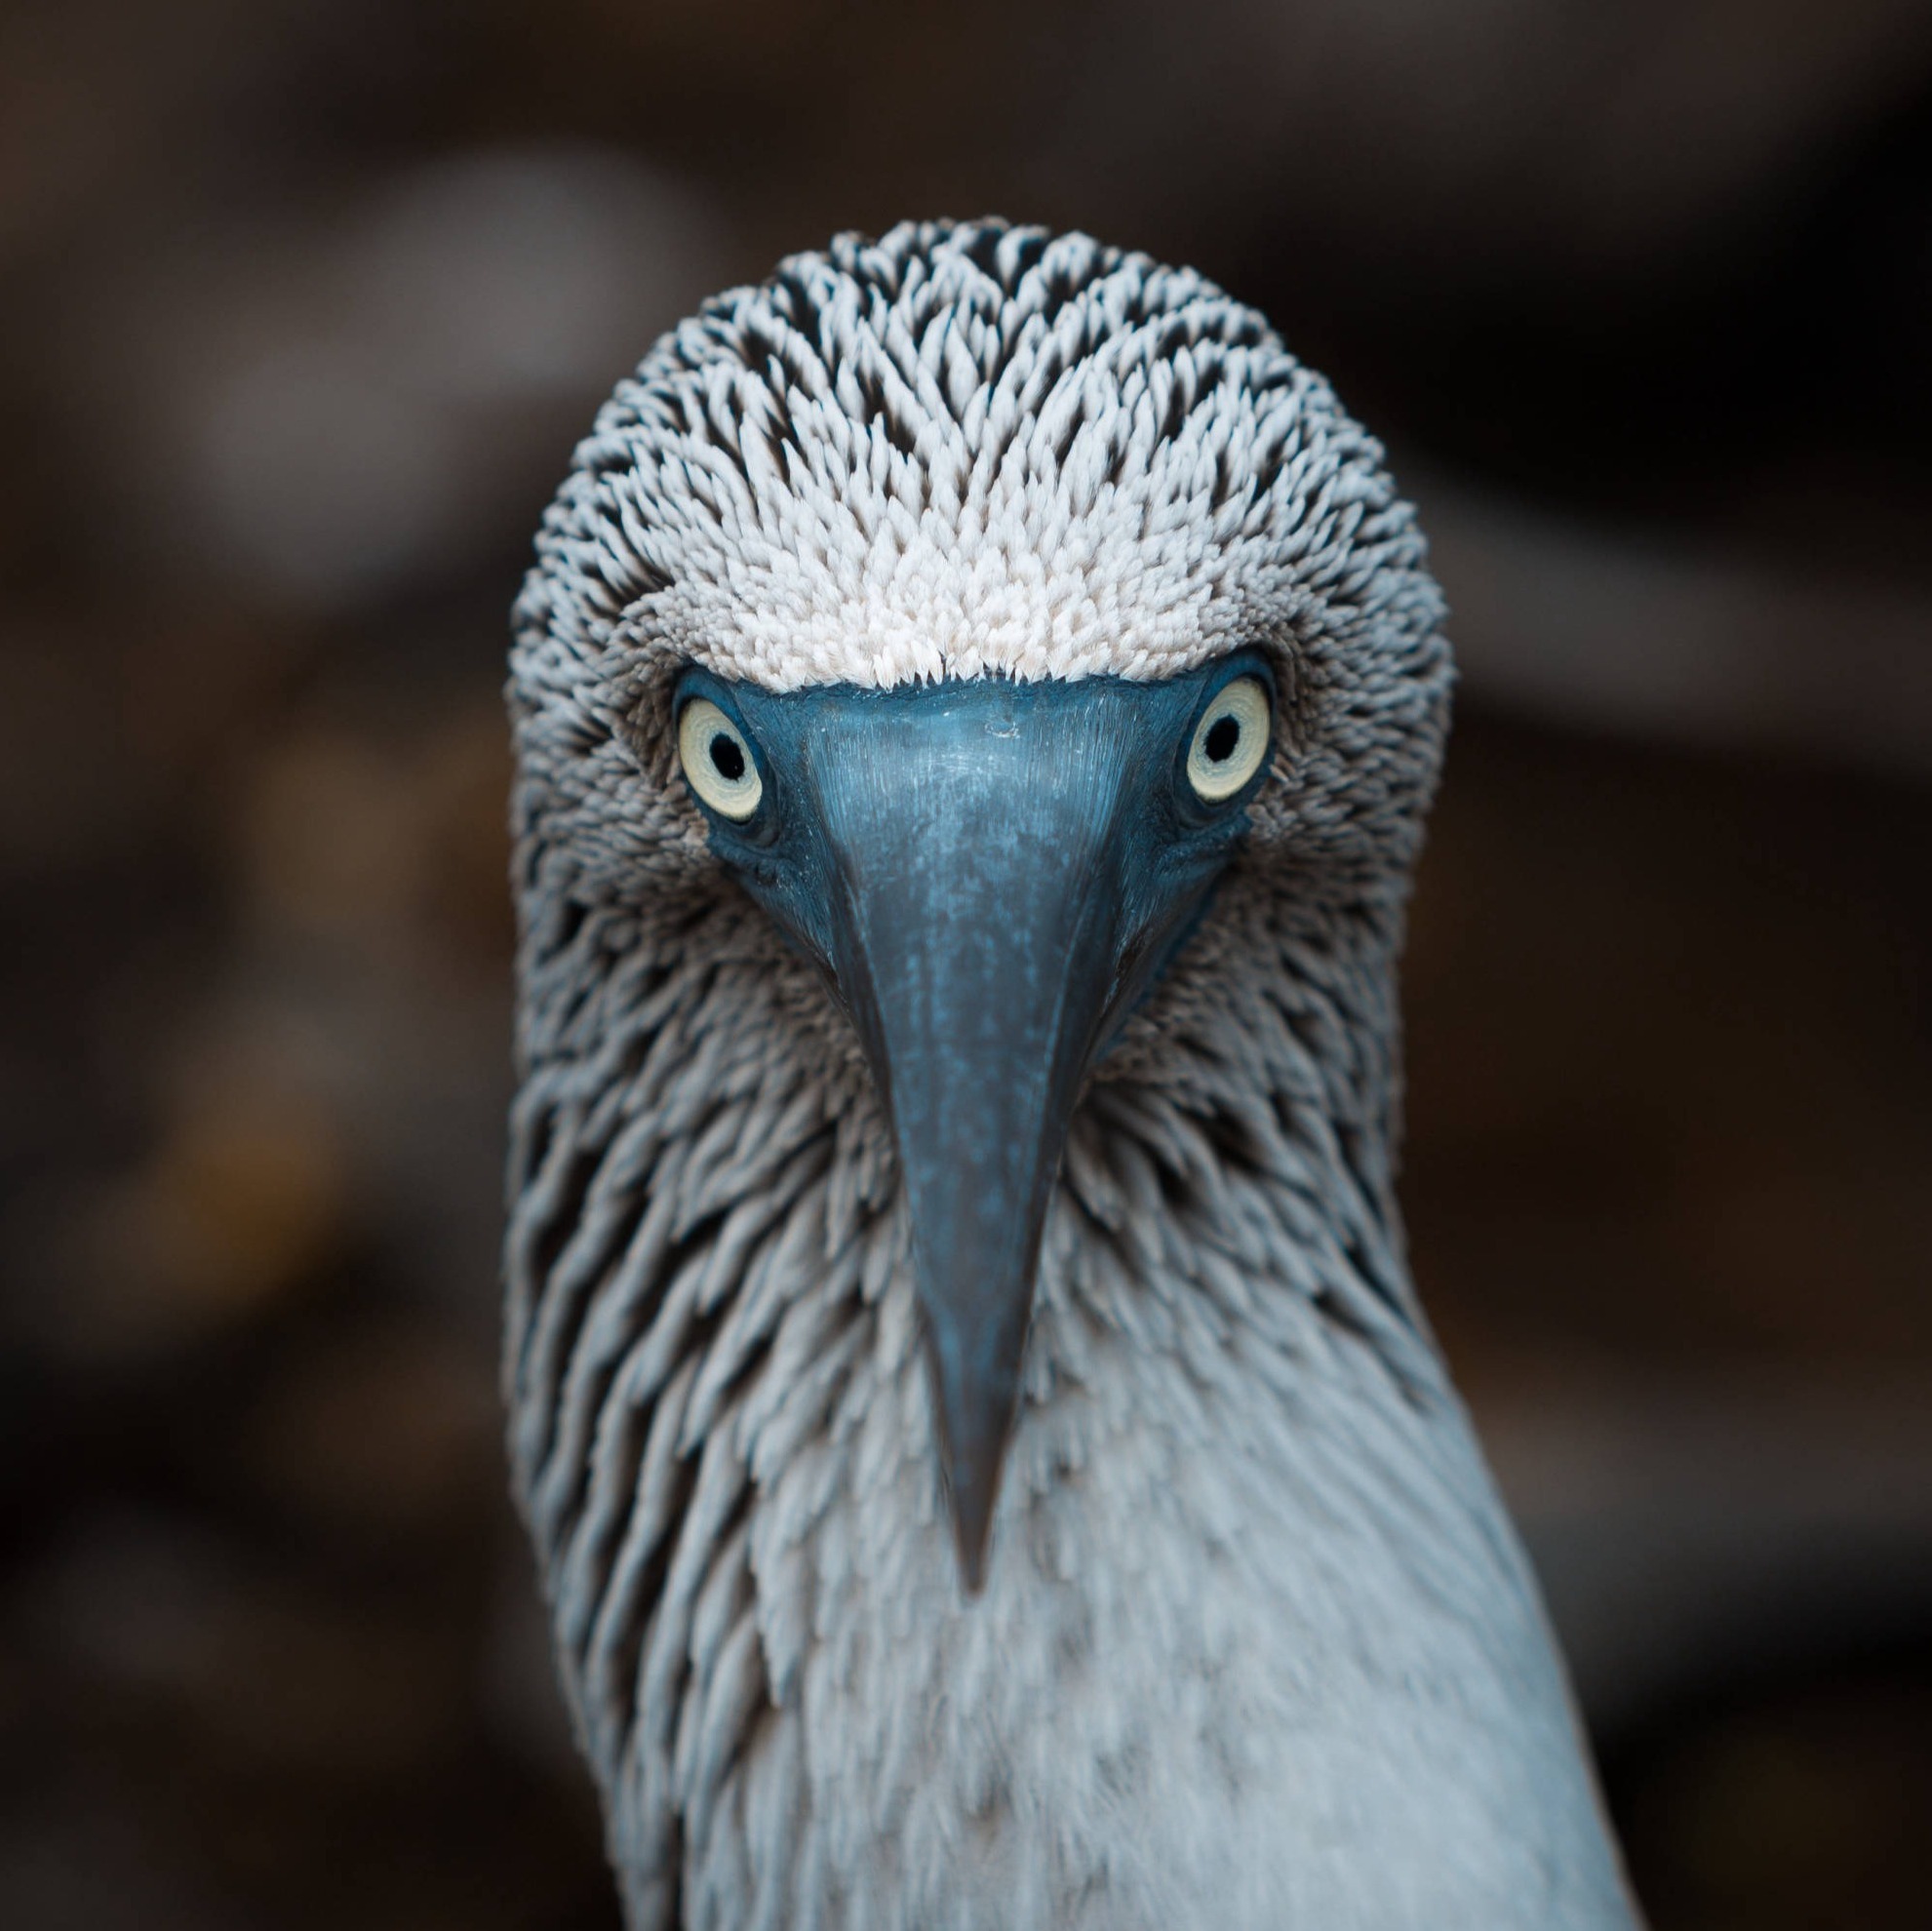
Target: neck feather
{"x":713,"y":1363}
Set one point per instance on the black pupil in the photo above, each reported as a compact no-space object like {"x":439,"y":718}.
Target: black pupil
{"x":727,"y":755}
{"x":1223,"y":735}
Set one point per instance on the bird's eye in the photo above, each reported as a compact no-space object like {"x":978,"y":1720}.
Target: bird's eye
{"x":1229,"y":741}
{"x":718,"y":762}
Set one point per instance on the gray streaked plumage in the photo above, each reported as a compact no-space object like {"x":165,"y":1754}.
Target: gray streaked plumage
{"x":1255,"y":1644}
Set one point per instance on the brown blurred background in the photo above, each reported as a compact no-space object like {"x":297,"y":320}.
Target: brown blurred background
{"x":305,"y":301}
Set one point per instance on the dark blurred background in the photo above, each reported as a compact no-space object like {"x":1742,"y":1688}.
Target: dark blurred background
{"x":305,"y":303}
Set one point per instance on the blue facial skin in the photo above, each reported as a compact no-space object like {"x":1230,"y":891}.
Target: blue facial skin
{"x":991,"y":875}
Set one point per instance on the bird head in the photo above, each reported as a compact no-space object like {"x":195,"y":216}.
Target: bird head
{"x":982,"y":608}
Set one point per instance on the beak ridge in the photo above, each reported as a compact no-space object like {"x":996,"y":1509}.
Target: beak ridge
{"x":976,"y":944}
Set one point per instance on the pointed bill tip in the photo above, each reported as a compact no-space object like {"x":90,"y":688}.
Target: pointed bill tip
{"x":972,"y":1526}
{"x":974,"y":1422}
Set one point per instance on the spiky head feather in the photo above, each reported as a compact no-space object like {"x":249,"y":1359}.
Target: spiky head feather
{"x":966,"y":449}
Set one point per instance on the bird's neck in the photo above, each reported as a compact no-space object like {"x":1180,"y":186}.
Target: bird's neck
{"x":1246,"y":1539}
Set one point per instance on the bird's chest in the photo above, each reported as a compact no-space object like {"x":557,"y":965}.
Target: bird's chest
{"x":1170,"y":1707}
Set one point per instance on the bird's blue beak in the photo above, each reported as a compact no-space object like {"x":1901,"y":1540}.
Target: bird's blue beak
{"x":991,"y":875}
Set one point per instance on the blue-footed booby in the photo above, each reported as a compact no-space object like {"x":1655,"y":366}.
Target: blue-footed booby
{"x":976,"y":701}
